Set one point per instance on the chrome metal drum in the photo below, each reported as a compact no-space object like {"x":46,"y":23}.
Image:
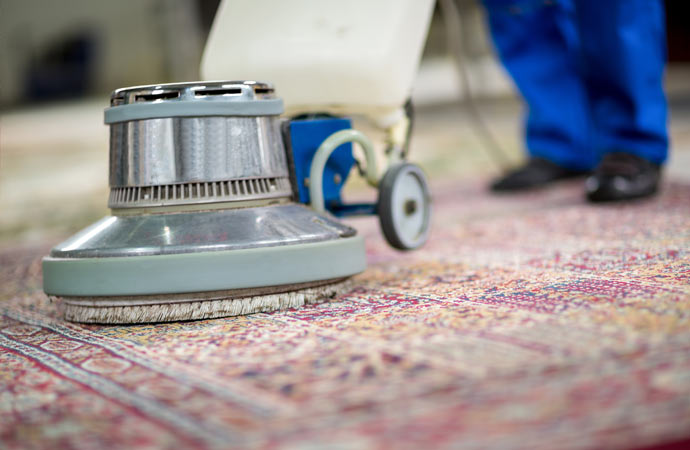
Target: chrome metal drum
{"x":195,"y":143}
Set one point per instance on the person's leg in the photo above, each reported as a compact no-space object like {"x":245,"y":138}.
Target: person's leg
{"x":537,"y":42}
{"x":623,"y":56}
{"x":623,"y":49}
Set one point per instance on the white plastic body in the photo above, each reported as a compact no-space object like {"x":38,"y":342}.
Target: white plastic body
{"x":337,"y":56}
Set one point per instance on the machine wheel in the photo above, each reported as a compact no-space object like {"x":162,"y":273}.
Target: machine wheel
{"x":404,"y":206}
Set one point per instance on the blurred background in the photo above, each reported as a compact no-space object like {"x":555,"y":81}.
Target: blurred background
{"x":60,"y":60}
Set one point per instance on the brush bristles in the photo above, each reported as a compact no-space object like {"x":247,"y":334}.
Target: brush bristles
{"x":204,"y":309}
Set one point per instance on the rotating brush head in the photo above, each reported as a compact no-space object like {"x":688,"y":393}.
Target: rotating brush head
{"x":203,"y":221}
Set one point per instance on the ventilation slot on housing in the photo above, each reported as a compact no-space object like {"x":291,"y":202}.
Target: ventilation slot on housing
{"x":156,"y":96}
{"x":208,"y":92}
{"x":202,"y":192}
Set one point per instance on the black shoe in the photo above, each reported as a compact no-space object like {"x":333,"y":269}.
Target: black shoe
{"x":537,"y":172}
{"x":622,"y":176}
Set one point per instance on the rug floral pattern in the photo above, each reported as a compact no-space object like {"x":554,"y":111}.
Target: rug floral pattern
{"x":528,"y":321}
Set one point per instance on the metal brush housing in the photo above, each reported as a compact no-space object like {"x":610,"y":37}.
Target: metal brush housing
{"x":202,"y":205}
{"x":161,"y":159}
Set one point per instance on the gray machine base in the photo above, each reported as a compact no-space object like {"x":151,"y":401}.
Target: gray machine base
{"x":204,"y":271}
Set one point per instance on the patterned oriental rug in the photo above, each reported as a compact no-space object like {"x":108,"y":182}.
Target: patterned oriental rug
{"x":535,"y":321}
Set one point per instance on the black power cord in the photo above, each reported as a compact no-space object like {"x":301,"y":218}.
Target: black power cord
{"x":451,"y":19}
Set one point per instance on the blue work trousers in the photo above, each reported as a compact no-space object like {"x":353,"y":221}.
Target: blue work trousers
{"x":590,"y":72}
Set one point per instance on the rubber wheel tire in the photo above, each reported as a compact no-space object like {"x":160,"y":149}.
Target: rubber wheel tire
{"x":392,"y":210}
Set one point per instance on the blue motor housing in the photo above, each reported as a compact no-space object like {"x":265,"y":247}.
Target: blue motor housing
{"x":305,"y":136}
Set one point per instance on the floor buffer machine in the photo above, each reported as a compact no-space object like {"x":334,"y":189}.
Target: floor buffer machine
{"x":225,"y":195}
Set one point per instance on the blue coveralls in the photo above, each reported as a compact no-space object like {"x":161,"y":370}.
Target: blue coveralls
{"x":590,"y":72}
